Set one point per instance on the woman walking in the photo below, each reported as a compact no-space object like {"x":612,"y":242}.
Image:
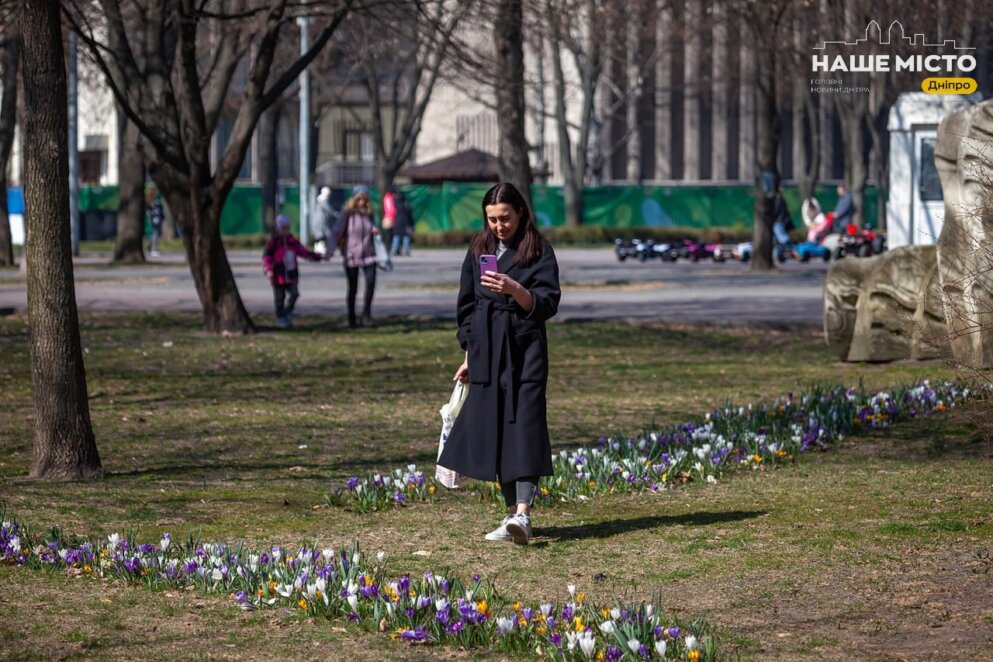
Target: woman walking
{"x":353,"y":234}
{"x":502,"y":431}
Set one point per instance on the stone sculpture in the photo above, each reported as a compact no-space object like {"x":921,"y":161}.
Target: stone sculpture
{"x":919,"y":302}
{"x":886,"y":307}
{"x":964,"y":162}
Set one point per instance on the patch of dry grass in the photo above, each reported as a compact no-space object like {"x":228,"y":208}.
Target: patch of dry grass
{"x":867,"y":551}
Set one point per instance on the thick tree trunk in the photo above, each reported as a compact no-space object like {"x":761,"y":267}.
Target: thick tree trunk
{"x":64,"y":446}
{"x":131,"y":208}
{"x":767,"y":126}
{"x":8,"y":118}
{"x":515,"y":165}
{"x":269,"y":163}
{"x":572,"y":191}
{"x":223,"y":310}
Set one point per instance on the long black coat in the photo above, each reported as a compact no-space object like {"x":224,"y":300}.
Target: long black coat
{"x":502,"y":431}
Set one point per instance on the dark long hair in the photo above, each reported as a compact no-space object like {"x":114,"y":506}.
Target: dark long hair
{"x":527,"y":241}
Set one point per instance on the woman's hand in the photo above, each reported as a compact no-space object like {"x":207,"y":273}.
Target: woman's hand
{"x":499,"y":283}
{"x":462,"y":374}
{"x":504,"y":284}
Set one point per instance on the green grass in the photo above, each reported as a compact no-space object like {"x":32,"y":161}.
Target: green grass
{"x":844,"y":554}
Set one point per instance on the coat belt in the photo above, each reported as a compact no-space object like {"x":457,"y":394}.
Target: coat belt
{"x":492,"y":315}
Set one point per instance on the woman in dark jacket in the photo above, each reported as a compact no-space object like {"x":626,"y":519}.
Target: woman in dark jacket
{"x":502,"y":432}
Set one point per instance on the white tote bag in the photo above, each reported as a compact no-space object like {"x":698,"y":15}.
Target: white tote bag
{"x":449,"y":412}
{"x":382,"y":255}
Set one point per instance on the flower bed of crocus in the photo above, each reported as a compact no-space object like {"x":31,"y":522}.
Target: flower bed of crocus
{"x":727,"y":439}
{"x":345,"y":584}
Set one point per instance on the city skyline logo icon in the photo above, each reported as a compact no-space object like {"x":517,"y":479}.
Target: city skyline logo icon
{"x":918,"y":39}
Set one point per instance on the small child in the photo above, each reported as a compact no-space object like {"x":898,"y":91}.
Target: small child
{"x":279,"y":264}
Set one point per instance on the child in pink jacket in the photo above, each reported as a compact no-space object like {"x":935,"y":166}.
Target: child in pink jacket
{"x":279,"y":263}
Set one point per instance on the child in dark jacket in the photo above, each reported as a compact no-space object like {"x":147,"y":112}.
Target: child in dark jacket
{"x":279,"y":263}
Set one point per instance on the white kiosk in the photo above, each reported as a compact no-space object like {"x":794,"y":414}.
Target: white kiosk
{"x":915,"y":210}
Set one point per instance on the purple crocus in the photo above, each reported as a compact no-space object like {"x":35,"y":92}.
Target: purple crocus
{"x":352,"y":483}
{"x":417,"y":634}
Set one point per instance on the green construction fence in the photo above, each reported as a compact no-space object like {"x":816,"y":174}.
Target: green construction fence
{"x":457,"y":206}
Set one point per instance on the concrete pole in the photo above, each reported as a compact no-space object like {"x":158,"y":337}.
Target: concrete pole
{"x":663,"y":95}
{"x":73,"y":145}
{"x":746,"y":112}
{"x":721,"y":127}
{"x":304,"y":137}
{"x":692,"y":106}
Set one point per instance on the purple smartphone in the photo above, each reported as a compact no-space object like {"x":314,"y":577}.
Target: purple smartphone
{"x":487,"y":263}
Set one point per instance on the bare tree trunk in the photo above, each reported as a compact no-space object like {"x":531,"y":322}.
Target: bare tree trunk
{"x":64,"y":446}
{"x":808,"y":163}
{"x":200,"y":219}
{"x":269,"y":163}
{"x":767,"y":127}
{"x":8,"y":118}
{"x":131,"y":207}
{"x":515,"y":166}
{"x":853,"y":132}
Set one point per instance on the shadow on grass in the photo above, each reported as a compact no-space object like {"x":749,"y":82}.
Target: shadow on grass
{"x":609,"y":528}
{"x":250,"y":470}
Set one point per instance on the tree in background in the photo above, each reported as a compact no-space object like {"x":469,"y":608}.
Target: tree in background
{"x":131,"y":207}
{"x":395,"y":52}
{"x":10,"y":48}
{"x":576,"y":28}
{"x":64,"y":446}
{"x":172,"y":78}
{"x":508,"y":42}
{"x":765,"y":25}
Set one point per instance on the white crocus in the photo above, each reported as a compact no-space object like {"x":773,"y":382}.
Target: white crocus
{"x":381,"y":557}
{"x":660,"y":647}
{"x":607,"y":627}
{"x":587,"y":643}
{"x":615,"y":613}
{"x":356,"y":558}
{"x":353,"y":602}
{"x":690,"y":643}
{"x":572,"y":590}
{"x":113,"y":539}
{"x":634,"y":645}
{"x":505,"y":625}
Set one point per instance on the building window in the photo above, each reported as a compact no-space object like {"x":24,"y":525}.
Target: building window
{"x":91,"y":166}
{"x":930,"y":183}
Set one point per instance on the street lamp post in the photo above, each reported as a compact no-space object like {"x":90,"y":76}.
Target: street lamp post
{"x":304,"y":137}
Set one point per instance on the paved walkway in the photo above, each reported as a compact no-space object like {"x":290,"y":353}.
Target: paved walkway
{"x":595,"y":286}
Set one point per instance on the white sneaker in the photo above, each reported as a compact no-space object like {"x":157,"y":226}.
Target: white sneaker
{"x":519,"y":528}
{"x":500,"y":533}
